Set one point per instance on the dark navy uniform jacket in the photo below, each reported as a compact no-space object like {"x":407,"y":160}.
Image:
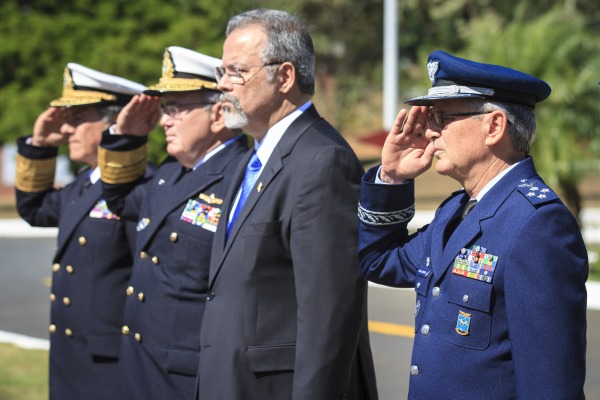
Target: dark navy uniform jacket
{"x":177,"y":213}
{"x":91,"y":268}
{"x":500,"y":309}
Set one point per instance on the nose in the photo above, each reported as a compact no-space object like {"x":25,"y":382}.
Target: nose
{"x":431,"y":131}
{"x":165,"y":120}
{"x":67,"y":129}
{"x":224,"y":84}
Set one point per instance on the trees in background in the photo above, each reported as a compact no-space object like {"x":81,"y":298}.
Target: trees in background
{"x":556,"y":42}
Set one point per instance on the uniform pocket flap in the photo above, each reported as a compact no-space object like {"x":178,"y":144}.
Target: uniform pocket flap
{"x":183,"y":361}
{"x":470,"y":293}
{"x":271,"y":358}
{"x":103,"y":345}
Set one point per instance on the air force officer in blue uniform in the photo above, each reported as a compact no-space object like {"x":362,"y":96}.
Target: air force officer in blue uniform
{"x":500,"y":309}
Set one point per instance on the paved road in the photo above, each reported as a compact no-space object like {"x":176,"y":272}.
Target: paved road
{"x":24,"y":289}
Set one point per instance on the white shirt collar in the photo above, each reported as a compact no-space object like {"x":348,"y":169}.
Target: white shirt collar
{"x":491,"y":183}
{"x":265,"y":147}
{"x":214,"y":151}
{"x":95,"y":175}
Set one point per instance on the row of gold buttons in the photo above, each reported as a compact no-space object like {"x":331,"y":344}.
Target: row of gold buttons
{"x":137,"y":336}
{"x":130,"y":290}
{"x":68,"y":331}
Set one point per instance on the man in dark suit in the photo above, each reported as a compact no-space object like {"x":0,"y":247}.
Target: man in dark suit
{"x":92,"y":261}
{"x":286,"y":300}
{"x":500,"y":272}
{"x":177,"y":213}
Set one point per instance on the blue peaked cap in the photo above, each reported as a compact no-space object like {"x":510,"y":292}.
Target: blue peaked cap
{"x":456,"y":78}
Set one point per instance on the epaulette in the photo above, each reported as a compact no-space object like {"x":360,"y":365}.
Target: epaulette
{"x":536,"y":191}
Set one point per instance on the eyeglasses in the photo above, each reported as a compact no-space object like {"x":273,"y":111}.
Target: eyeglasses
{"x":175,"y":109}
{"x":236,"y":75}
{"x":439,"y":118}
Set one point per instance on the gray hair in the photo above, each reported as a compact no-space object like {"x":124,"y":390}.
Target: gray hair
{"x":288,"y":39}
{"x":521,"y":122}
{"x":211,"y":96}
{"x":109,"y":113}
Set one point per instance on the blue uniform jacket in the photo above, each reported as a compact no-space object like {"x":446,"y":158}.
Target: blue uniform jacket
{"x":176,"y":214}
{"x":91,"y":268}
{"x":500,"y":310}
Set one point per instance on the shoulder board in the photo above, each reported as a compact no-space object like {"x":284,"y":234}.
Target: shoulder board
{"x":536,"y":191}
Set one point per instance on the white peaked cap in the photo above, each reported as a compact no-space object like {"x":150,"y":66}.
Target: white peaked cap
{"x":185,"y":70}
{"x":85,"y":86}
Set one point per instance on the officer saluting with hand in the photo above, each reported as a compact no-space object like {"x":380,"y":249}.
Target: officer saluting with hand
{"x":500,"y":308}
{"x":92,"y":261}
{"x":176,"y":214}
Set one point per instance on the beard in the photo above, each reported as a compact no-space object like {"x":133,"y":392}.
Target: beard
{"x":235,"y":117}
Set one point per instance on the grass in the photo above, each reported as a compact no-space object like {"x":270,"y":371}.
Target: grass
{"x":23,"y":373}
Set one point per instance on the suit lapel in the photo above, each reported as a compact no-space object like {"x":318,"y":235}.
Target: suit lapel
{"x":177,"y":191}
{"x":470,"y":228}
{"x":219,"y":238}
{"x":447,"y":214}
{"x":273,"y":167}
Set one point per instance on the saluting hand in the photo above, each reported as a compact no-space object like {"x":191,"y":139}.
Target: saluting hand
{"x":407,"y":152}
{"x":139,"y":116}
{"x":46,"y":130}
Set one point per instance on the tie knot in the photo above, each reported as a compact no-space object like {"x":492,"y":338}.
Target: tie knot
{"x":254,"y":164}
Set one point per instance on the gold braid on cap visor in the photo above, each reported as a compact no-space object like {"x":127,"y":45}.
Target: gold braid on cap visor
{"x":73,"y":97}
{"x":168,"y":84}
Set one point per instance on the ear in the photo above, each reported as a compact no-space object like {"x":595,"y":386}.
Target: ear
{"x":497,"y":127}
{"x":217,"y":118}
{"x":286,"y":75}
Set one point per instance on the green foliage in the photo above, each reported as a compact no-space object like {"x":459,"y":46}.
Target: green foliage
{"x":558,"y":47}
{"x":555,"y":41}
{"x":125,"y":38}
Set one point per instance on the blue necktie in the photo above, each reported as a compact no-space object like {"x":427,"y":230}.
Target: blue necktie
{"x":252,"y":170}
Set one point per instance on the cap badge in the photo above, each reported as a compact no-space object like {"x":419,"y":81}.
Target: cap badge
{"x":67,"y":80}
{"x":433,"y":67}
{"x":168,"y":69}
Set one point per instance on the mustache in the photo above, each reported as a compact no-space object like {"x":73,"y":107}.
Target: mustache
{"x":231,"y":99}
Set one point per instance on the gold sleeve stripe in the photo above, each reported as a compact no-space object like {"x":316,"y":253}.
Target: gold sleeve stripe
{"x":35,"y":175}
{"x":118,"y":167}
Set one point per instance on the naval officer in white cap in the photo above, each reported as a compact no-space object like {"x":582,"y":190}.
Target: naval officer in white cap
{"x":177,"y":213}
{"x":93,"y":260}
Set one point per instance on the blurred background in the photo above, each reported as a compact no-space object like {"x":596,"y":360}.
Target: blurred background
{"x":554,"y":40}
